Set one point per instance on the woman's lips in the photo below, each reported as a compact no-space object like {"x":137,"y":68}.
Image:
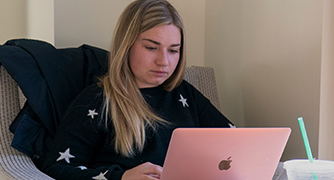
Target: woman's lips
{"x":160,"y":73}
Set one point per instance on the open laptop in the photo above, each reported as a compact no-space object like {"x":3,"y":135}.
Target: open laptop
{"x":224,"y":153}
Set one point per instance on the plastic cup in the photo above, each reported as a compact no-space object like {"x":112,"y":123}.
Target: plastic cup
{"x":302,"y":169}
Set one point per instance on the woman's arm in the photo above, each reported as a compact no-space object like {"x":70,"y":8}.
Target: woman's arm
{"x":78,"y":139}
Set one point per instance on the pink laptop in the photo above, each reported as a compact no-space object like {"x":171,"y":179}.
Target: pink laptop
{"x":224,"y":153}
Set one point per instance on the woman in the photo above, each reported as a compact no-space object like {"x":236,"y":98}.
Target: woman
{"x":120,"y":128}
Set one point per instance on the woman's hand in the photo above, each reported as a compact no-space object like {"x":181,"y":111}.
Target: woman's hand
{"x":142,"y":172}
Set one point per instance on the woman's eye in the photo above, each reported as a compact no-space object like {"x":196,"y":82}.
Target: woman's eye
{"x":150,"y":48}
{"x":174,"y":51}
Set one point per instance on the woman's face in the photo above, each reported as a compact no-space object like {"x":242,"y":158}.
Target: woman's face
{"x":155,"y":55}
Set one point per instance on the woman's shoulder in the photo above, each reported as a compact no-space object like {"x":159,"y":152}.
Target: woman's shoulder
{"x":94,"y":88}
{"x":185,"y":86}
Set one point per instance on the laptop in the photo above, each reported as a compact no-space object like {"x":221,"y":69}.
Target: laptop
{"x":224,"y":153}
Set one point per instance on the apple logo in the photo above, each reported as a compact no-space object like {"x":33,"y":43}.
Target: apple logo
{"x":225,"y":164}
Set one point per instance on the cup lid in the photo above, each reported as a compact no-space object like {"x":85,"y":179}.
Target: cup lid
{"x":305,"y":165}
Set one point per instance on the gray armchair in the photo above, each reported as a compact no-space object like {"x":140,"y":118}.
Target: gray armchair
{"x":13,"y":164}
{"x":16,"y":165}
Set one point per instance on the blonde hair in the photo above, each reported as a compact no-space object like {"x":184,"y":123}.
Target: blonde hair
{"x":124,"y":105}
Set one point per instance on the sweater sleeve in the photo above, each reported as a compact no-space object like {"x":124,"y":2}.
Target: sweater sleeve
{"x":77,"y":140}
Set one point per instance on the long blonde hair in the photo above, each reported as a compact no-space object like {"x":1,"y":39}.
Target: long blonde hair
{"x":124,"y":105}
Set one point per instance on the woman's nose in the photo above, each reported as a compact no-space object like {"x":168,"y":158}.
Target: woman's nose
{"x":162,"y":59}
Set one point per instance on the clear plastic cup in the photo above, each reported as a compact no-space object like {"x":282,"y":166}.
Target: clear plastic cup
{"x":302,"y":169}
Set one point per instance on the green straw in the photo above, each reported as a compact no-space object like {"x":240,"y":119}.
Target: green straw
{"x":306,"y":143}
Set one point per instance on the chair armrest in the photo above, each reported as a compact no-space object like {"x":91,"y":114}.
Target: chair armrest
{"x":13,"y":164}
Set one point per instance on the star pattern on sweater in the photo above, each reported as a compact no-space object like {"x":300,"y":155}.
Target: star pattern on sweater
{"x":82,"y":167}
{"x":101,"y":176}
{"x":92,"y":113}
{"x":65,"y":155}
{"x":183,"y":101}
{"x":232,"y":126}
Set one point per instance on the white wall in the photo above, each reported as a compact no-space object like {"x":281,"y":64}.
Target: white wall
{"x":267,"y":58}
{"x":40,"y":20}
{"x":12,"y":19}
{"x":86,"y":21}
{"x":93,"y":22}
{"x":326,"y":133}
{"x":27,"y":19}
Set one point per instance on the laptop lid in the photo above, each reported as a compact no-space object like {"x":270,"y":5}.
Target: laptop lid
{"x":224,"y":153}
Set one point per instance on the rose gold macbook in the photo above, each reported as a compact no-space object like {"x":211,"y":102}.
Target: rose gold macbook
{"x":224,"y":153}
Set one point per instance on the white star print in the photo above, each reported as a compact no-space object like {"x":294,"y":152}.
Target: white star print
{"x":65,"y":155}
{"x":82,"y":167}
{"x":101,"y":176}
{"x":231,"y":125}
{"x":92,"y":113}
{"x":184,"y":101}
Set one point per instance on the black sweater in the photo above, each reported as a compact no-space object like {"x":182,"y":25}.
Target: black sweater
{"x":83,"y":149}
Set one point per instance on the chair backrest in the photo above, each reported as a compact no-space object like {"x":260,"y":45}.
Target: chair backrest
{"x":13,"y":164}
{"x":203,"y":78}
{"x":9,"y":105}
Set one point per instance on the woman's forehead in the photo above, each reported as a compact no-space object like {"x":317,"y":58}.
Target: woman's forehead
{"x":163,"y":34}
